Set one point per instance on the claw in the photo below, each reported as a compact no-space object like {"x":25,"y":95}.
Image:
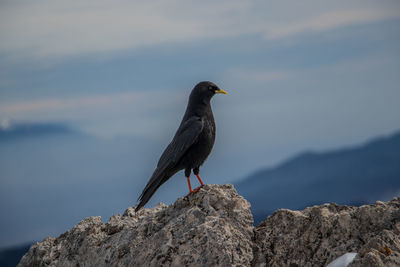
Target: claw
{"x":197,"y":188}
{"x":190,"y":186}
{"x":194,"y":190}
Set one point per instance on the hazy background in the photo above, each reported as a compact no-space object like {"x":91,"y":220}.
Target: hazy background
{"x":92,"y":92}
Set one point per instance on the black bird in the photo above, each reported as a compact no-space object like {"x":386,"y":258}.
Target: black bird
{"x":191,"y":144}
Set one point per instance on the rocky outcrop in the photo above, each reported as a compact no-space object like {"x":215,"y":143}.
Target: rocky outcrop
{"x":214,"y":227}
{"x":320,"y":234}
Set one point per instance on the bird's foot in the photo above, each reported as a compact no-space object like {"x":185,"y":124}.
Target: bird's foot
{"x":194,"y":190}
{"x":197,"y":188}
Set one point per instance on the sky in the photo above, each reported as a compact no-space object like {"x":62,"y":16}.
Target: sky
{"x":127,"y":67}
{"x":300,"y":75}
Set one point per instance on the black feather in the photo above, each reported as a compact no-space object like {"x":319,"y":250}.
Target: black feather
{"x":191,"y":144}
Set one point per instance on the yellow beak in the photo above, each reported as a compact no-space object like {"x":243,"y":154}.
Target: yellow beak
{"x":220,"y":91}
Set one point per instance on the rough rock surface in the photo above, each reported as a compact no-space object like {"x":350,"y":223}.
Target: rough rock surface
{"x":209,"y":228}
{"x":214,"y":227}
{"x":318,"y":235}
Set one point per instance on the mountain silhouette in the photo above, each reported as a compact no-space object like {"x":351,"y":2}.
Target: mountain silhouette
{"x":353,"y":176}
{"x":10,"y":257}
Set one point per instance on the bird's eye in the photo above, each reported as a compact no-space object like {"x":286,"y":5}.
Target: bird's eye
{"x":211,"y":88}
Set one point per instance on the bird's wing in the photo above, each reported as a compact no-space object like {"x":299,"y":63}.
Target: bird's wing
{"x":184,"y":138}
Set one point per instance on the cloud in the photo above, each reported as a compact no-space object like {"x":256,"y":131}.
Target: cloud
{"x":54,"y":28}
{"x":331,"y":20}
{"x":4,"y":124}
{"x":257,"y":75}
{"x":57,"y":104}
{"x":61,"y":28}
{"x":94,"y":107}
{"x":133,"y":112}
{"x":95,"y":101}
{"x":372,"y":62}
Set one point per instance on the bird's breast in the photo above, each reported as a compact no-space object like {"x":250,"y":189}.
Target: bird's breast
{"x":206,"y":138}
{"x":200,"y":150}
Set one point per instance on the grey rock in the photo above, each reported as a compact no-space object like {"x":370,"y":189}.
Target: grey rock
{"x":214,"y":227}
{"x":318,"y":235}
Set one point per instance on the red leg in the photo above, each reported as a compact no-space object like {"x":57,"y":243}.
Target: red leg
{"x":190,"y":186}
{"x":201,"y":182}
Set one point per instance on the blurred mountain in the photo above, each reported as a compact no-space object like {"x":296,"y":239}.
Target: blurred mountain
{"x":31,"y":130}
{"x":353,"y":176}
{"x":11,"y":256}
{"x":53,"y":176}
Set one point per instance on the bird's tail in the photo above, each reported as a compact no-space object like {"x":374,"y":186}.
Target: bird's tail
{"x":157,"y":179}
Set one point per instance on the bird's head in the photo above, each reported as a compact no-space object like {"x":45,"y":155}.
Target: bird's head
{"x":204,"y":91}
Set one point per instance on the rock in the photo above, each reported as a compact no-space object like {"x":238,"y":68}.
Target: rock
{"x":209,"y":228}
{"x":318,"y":235}
{"x":214,"y":227}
